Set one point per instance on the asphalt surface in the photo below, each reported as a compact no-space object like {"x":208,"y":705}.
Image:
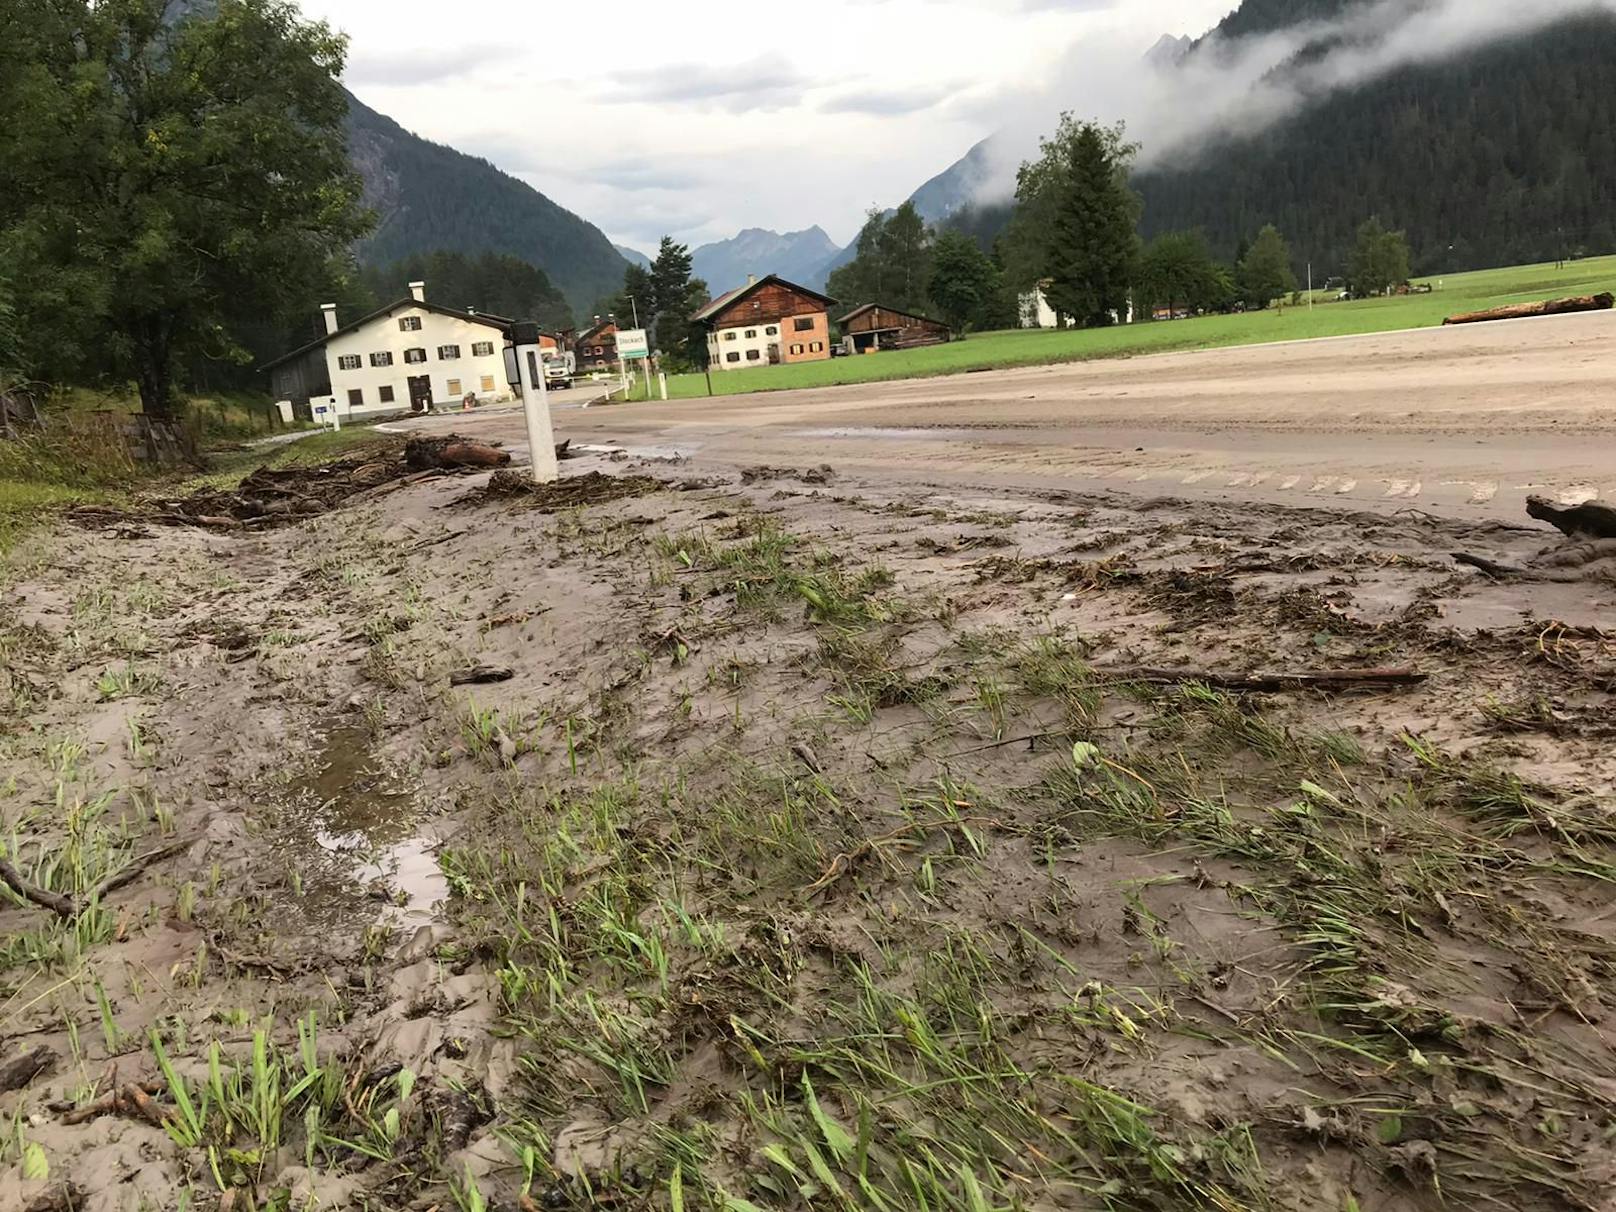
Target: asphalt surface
{"x":1465,"y":421}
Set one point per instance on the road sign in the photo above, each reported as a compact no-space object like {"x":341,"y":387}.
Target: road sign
{"x":631,"y":344}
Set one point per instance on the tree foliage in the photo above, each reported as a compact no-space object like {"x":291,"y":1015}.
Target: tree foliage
{"x":166,"y":180}
{"x":1074,"y":222}
{"x":893,"y":266}
{"x":1177,"y":272}
{"x":1379,"y":260}
{"x":965,"y":283}
{"x":666,"y":297}
{"x":1265,"y":271}
{"x":493,"y":282}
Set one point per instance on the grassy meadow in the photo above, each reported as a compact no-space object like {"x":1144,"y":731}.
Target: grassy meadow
{"x":1033,"y":347}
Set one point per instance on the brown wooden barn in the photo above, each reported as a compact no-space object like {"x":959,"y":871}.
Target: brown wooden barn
{"x":767,"y":322}
{"x":874,"y":327}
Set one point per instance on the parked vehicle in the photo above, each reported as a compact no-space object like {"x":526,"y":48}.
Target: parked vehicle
{"x":559,"y":367}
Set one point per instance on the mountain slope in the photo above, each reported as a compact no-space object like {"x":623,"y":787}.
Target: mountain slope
{"x":797,"y":256}
{"x":633,"y":256}
{"x":431,"y":197}
{"x":1500,"y":155}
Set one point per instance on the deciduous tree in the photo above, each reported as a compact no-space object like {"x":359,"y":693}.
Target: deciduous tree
{"x":963,"y":280}
{"x":1379,"y":260}
{"x":1177,"y":271}
{"x":167,"y":178}
{"x":1265,"y":271}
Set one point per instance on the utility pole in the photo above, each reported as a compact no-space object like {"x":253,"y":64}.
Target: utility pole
{"x":1310,"y":286}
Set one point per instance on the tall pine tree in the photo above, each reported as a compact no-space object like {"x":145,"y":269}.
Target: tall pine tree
{"x":1095,"y":244}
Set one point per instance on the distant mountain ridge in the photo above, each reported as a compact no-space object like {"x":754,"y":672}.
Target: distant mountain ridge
{"x":429,"y":197}
{"x":797,"y":256}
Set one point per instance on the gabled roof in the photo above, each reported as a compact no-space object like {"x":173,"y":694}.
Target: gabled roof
{"x":907,"y":315}
{"x":742,"y":292}
{"x":474,"y":317}
{"x":586,"y":333}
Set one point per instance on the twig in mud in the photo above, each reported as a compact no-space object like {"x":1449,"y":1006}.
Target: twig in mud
{"x":840,"y":864}
{"x":1312,"y":679}
{"x":58,"y":904}
{"x":65,"y":906}
{"x":132,"y":1098}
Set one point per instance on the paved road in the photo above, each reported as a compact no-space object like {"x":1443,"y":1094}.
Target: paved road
{"x":1464,"y":420}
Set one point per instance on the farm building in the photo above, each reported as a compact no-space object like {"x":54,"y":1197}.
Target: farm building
{"x":407,"y":356}
{"x":597,"y":346}
{"x":767,"y":322}
{"x":874,"y":327}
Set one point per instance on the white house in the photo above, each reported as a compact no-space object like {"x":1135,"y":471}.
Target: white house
{"x":409,"y":356}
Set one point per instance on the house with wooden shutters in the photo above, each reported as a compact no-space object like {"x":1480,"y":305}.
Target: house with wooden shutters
{"x":767,"y":322}
{"x":405,"y":357}
{"x":596,"y":347}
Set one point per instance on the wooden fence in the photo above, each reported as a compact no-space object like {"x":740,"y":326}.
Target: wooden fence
{"x":143,"y":439}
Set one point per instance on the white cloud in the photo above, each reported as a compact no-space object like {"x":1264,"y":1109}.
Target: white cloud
{"x":647,"y":117}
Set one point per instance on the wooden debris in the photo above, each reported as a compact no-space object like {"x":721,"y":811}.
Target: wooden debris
{"x":451,"y":451}
{"x":1590,"y":520}
{"x":58,"y":904}
{"x":1549,"y":307}
{"x":480,"y":674}
{"x":21,"y":1069}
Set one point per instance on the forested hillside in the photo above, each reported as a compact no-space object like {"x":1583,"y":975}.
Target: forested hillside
{"x":1501,"y":155}
{"x":495,"y":283}
{"x":430,"y":198}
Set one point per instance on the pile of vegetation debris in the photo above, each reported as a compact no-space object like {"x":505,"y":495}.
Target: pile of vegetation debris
{"x":272,"y":496}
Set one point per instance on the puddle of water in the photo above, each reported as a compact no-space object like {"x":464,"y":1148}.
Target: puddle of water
{"x":356,"y":826}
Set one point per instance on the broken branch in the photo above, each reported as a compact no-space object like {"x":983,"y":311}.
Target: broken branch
{"x":1313,"y":679}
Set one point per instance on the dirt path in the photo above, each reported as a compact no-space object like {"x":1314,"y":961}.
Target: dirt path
{"x":813,"y":832}
{"x":1466,"y":421}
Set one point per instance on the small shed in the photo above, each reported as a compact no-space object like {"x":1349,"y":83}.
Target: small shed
{"x":873,"y":327}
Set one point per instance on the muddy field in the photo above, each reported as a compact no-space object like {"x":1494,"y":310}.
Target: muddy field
{"x":782,"y":841}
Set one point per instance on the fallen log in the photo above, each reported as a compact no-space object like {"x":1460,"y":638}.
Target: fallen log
{"x":65,"y":906}
{"x":1590,"y":520}
{"x":58,"y":904}
{"x":1312,"y":679}
{"x":1549,"y":307}
{"x":451,"y":451}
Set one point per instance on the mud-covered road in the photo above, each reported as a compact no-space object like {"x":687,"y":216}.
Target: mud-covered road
{"x":1467,"y":421}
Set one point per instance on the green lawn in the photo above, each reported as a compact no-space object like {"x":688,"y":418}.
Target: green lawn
{"x":993,"y":350}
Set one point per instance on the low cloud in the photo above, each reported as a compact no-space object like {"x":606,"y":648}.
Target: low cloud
{"x":887,"y":103}
{"x":1240,"y":87}
{"x":766,"y":83}
{"x":406,"y":68}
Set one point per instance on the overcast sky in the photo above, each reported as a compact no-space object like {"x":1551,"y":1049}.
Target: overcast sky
{"x":698,"y":119}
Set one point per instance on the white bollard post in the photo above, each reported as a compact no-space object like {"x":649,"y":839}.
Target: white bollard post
{"x":662,"y":378}
{"x":535,"y":403}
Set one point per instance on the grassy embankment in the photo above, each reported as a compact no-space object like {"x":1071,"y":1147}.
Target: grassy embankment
{"x":996,"y":350}
{"x":65,"y":466}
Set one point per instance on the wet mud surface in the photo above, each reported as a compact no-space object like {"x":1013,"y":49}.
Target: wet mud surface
{"x":818,"y":852}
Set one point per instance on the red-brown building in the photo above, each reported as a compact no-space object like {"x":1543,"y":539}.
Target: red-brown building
{"x":767,"y":322}
{"x":874,"y":327}
{"x":597,"y":346}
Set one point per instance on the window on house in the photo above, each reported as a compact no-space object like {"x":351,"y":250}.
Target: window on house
{"x":381,"y":359}
{"x":386,"y":394}
{"x":771,"y":331}
{"x":816,"y":347}
{"x":732,"y":356}
{"x":751,"y":334}
{"x":730,"y":335}
{"x":752,"y":355}
{"x":349,"y":362}
{"x":454,"y":388}
{"x":803,"y":324}
{"x":409,"y":324}
{"x":356,"y":397}
{"x":600,"y":351}
{"x":447,"y":353}
{"x":415,"y":355}
{"x":796,"y":349}
{"x":482,"y":349}
{"x":488,"y":382}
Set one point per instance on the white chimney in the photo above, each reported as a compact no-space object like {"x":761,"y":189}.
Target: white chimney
{"x":329,"y":310}
{"x":418,"y":291}
{"x":751,"y":279}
